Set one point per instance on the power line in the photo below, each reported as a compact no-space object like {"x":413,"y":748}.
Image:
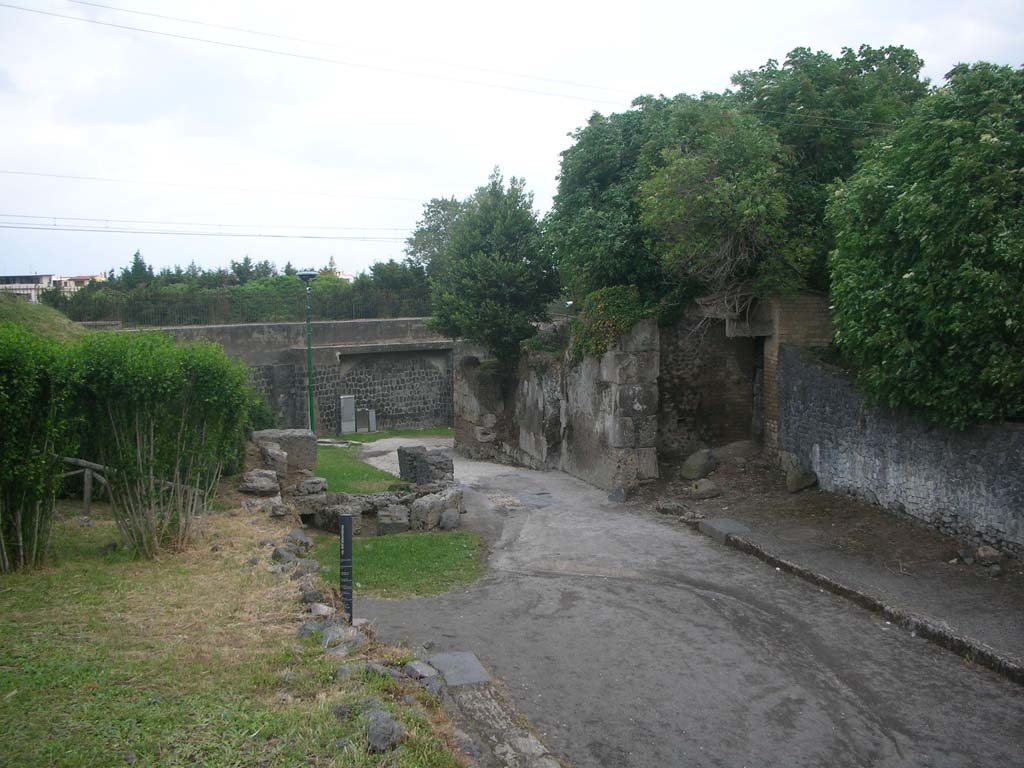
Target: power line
{"x":326,"y":44}
{"x":196,"y":223}
{"x":125,"y":231}
{"x":310,"y":57}
{"x":192,"y":185}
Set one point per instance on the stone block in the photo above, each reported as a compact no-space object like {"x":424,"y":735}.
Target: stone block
{"x":647,"y":463}
{"x":699,"y":464}
{"x":629,"y":367}
{"x":260,"y":482}
{"x":299,"y":444}
{"x":620,"y":431}
{"x":642,"y":337}
{"x":274,"y":458}
{"x":409,"y":457}
{"x":720,"y":528}
{"x":427,"y":511}
{"x":392,"y":519}
{"x":459,"y":668}
{"x":636,"y":400}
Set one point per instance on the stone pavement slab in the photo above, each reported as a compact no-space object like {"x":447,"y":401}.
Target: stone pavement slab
{"x":459,"y":668}
{"x":720,"y":528}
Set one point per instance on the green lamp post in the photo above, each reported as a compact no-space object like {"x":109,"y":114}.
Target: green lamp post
{"x":307,"y":276}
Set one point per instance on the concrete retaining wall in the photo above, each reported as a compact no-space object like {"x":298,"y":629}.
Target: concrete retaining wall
{"x":969,"y":484}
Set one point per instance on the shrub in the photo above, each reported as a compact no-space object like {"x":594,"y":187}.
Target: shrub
{"x":928,"y":273}
{"x":606,"y":314}
{"x":34,"y":435}
{"x":168,"y":417}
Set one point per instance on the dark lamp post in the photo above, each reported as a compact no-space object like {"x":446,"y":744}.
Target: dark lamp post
{"x":307,"y":277}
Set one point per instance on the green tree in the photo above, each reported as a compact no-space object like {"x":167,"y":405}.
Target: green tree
{"x":429,"y":241}
{"x":594,"y":230}
{"x":928,"y":271}
{"x":826,"y":109}
{"x":137,"y":274}
{"x":496,"y":281}
{"x":718,"y":201}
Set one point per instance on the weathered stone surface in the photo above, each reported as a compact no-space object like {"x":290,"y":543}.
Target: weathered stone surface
{"x":392,"y":519}
{"x":704,"y":489}
{"x":459,"y":668}
{"x":419,"y":466}
{"x":986,"y":555}
{"x":305,"y":567}
{"x":299,"y":444}
{"x":418,"y":670}
{"x":274,"y":458}
{"x":310,"y":628}
{"x":299,"y":540}
{"x":319,"y":609}
{"x":409,"y":457}
{"x":374,"y":668}
{"x":340,"y":634}
{"x":260,"y":482}
{"x":698,"y":465}
{"x":311,"y":486}
{"x":797,"y":479}
{"x":721,"y":528}
{"x":284,"y":554}
{"x":426,"y":511}
{"x":312,"y":596}
{"x":264,"y":504}
{"x":384,"y":732}
{"x":450,"y":520}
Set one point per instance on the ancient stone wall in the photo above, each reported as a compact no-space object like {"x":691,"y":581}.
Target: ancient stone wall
{"x":969,"y":484}
{"x":596,"y":420}
{"x":706,"y":387}
{"x":398,"y":367}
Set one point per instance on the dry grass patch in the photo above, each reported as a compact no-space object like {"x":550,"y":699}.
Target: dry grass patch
{"x":190,"y":659}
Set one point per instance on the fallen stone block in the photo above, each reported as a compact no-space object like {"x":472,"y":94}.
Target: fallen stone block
{"x":274,"y":458}
{"x":299,"y":540}
{"x":311,"y":486}
{"x":260,"y":482}
{"x":721,"y":528}
{"x":384,"y":732}
{"x":426,"y":512}
{"x":698,"y":465}
{"x":418,"y":670}
{"x":299,"y":444}
{"x":797,"y":479}
{"x":705,"y":489}
{"x":459,"y":668}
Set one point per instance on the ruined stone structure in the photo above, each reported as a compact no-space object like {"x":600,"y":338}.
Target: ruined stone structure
{"x":596,"y":419}
{"x":398,"y":367}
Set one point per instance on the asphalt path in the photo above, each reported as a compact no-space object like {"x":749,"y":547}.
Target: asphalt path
{"x":629,"y":640}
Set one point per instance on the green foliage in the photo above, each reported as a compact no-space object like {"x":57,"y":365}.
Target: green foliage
{"x":826,"y":109}
{"x":163,"y":417}
{"x":928,"y":271}
{"x":496,"y":281}
{"x":605,"y":315}
{"x":35,"y":432}
{"x":248,"y":292}
{"x":38,"y":318}
{"x":429,"y":241}
{"x":594,"y":230}
{"x":718,"y":201}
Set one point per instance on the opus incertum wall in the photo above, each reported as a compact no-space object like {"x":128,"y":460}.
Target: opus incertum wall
{"x":399,"y":367}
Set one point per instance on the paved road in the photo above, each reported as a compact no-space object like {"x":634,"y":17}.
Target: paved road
{"x":631,"y":641}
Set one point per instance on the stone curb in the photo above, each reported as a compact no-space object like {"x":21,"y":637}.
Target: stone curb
{"x":967,"y":647}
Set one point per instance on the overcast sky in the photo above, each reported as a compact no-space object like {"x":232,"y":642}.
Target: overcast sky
{"x":415,"y":100}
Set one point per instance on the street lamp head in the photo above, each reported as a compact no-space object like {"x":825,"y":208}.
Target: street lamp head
{"x":306,"y":275}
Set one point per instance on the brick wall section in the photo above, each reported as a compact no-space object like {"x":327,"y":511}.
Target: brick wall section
{"x":968,"y":484}
{"x":801,"y":320}
{"x":705,"y":386}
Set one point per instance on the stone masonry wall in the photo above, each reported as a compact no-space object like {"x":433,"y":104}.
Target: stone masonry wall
{"x":968,"y":484}
{"x":802,"y":320}
{"x":705,"y":387}
{"x":407,"y":390}
{"x":596,"y":420}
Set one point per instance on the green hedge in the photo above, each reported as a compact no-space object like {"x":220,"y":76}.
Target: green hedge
{"x":35,"y":432}
{"x":168,"y":417}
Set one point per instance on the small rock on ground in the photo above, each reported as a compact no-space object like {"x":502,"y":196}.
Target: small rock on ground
{"x":704,"y":489}
{"x":384,"y":732}
{"x":797,"y":479}
{"x":698,"y":465}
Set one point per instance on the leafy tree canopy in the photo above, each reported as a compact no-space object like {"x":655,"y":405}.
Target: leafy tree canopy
{"x":496,"y":281}
{"x":430,"y":239}
{"x":826,"y":109}
{"x":928,"y":271}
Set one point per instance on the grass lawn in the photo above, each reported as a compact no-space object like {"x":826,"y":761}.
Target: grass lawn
{"x":345,"y":473}
{"x":188,"y":660}
{"x":39,"y":317}
{"x":369,"y":437}
{"x":404,"y":564}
